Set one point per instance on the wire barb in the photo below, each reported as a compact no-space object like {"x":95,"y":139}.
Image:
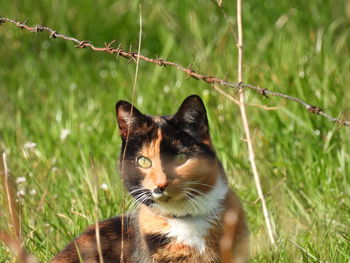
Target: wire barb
{"x":133,"y":56}
{"x":314,"y":109}
{"x":263,"y":92}
{"x":53,"y":34}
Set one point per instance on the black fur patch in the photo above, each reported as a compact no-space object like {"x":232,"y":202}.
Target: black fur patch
{"x":85,"y":246}
{"x":156,"y":241}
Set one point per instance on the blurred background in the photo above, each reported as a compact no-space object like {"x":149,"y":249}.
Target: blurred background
{"x":57,"y":112}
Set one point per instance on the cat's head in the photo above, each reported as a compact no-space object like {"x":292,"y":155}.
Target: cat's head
{"x":168,"y":162}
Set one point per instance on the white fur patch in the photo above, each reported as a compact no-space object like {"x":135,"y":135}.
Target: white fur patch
{"x":192,"y":225}
{"x":190,"y":231}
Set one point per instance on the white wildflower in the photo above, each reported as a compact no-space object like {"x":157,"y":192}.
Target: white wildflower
{"x":64,"y":134}
{"x":20,"y":180}
{"x":166,"y":89}
{"x":206,"y":92}
{"x":21,"y":193}
{"x":178,"y":83}
{"x":139,"y":100}
{"x":104,"y":187}
{"x":32,"y":192}
{"x":29,"y":145}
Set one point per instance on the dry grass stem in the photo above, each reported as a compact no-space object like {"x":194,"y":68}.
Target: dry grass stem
{"x":127,"y":136}
{"x":246,"y":125}
{"x":12,"y":238}
{"x":95,"y":200}
{"x":11,"y":204}
{"x":10,"y":198}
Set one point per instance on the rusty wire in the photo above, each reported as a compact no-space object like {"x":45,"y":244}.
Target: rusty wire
{"x":132,"y":56}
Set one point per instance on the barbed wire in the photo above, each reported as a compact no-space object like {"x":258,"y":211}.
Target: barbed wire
{"x":132,"y":56}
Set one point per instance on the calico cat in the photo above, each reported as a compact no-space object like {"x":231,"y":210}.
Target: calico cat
{"x":186,"y":211}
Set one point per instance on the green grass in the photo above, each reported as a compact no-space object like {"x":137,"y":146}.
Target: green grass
{"x":47,"y":86}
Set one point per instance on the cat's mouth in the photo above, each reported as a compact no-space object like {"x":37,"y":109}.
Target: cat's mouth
{"x":149,"y":197}
{"x":161,"y":197}
{"x":168,"y":198}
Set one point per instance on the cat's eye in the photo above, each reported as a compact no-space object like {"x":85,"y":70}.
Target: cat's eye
{"x":181,"y":158}
{"x":144,"y":162}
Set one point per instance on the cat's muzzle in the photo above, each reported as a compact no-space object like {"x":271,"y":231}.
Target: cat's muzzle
{"x":159,"y":194}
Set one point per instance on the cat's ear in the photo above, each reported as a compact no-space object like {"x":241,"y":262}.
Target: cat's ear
{"x":192,"y":118}
{"x":129,"y":118}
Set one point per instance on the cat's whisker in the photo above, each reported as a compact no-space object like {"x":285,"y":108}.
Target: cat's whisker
{"x":189,"y":199}
{"x":134,"y":205}
{"x":207,"y":210}
{"x":143,"y":198}
{"x":194,"y":183}
{"x":136,"y":190}
{"x":137,"y":199}
{"x":210,"y":212}
{"x":195,"y":201}
{"x":194,"y":190}
{"x":140,"y":196}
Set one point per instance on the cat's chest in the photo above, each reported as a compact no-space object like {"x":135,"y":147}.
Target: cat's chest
{"x":189,"y":231}
{"x":182,"y":240}
{"x":187,"y":239}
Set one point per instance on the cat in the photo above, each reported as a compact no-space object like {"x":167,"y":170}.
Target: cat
{"x":185,"y":212}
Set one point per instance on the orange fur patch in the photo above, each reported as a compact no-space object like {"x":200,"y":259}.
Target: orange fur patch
{"x":150,"y":223}
{"x":234,"y":244}
{"x":202,"y":172}
{"x":154,"y":176}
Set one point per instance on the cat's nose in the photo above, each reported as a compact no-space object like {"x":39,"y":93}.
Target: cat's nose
{"x":159,"y":189}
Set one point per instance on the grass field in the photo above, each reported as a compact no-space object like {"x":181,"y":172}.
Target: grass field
{"x":57,"y":113}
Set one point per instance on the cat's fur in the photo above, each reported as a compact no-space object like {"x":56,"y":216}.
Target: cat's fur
{"x":186,"y":211}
